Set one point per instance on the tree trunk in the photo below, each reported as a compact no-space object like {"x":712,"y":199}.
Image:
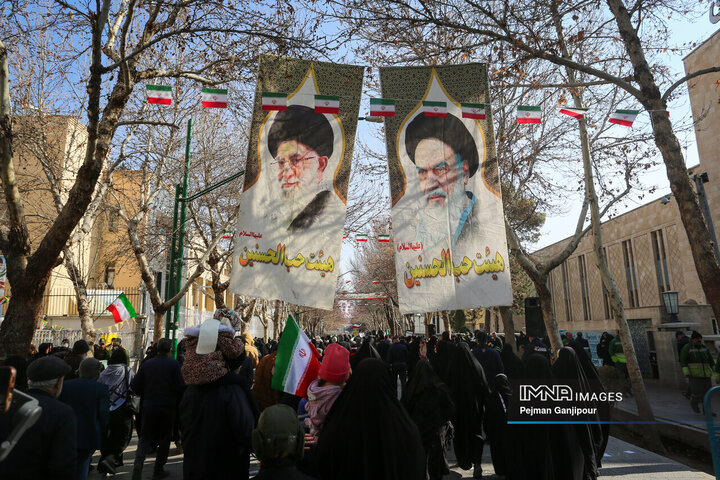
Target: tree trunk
{"x":446,"y":321}
{"x":508,"y":327}
{"x":87,"y":322}
{"x":701,"y":245}
{"x":551,"y":325}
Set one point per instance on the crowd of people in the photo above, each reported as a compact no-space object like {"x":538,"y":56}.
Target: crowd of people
{"x":381,"y":408}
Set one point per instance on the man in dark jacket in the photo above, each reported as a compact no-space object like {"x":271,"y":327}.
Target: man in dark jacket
{"x":76,"y":355}
{"x":91,"y":402}
{"x":278,"y":443}
{"x":100,"y":352}
{"x":397,"y":357}
{"x":48,"y":448}
{"x":160,"y":383}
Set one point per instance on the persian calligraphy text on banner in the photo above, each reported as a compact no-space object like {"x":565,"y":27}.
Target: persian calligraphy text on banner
{"x":449,"y":233}
{"x":292,"y":210}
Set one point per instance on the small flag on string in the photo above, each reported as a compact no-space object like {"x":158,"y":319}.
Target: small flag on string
{"x":475,"y":111}
{"x":375,"y":281}
{"x":121,"y":309}
{"x":274,"y":101}
{"x":228,"y":234}
{"x":327,"y":104}
{"x":361,"y":237}
{"x":435,"y":109}
{"x":527,"y":114}
{"x":578,"y":113}
{"x":159,"y":94}
{"x":344,"y":236}
{"x":382,"y":107}
{"x":623,"y":117}
{"x":384,"y":238}
{"x":214,"y":98}
{"x":355,"y":326}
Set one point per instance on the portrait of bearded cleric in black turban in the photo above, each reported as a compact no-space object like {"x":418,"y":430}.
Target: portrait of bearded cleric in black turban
{"x":301,"y":143}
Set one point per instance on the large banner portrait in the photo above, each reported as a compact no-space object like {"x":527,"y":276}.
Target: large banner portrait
{"x":447,"y":214}
{"x":292,"y":210}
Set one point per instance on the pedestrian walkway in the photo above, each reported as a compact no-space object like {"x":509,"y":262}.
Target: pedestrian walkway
{"x":622,"y":461}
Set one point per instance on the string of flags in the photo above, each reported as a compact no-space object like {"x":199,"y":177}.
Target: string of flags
{"x":46,"y":325}
{"x":383,"y":107}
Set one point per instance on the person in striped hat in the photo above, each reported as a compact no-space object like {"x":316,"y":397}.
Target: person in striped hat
{"x":301,"y":143}
{"x":446,"y":157}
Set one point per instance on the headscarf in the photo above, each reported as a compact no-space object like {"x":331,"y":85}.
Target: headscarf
{"x":511,"y":362}
{"x":388,"y":445}
{"x":470,"y":390}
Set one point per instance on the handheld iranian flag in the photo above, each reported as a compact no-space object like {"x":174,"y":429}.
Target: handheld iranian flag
{"x":214,"y":98}
{"x":382,"y":107}
{"x":473,"y":110}
{"x":623,"y":117}
{"x":274,"y":101}
{"x":527,"y":114}
{"x":121,"y":309}
{"x":327,"y":104}
{"x":159,"y":94}
{"x":384,"y":238}
{"x":297,"y":362}
{"x":361,"y":237}
{"x":435,"y":109}
{"x":578,"y":113}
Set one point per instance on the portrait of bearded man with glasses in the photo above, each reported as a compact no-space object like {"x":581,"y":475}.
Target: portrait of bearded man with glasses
{"x":301,"y":143}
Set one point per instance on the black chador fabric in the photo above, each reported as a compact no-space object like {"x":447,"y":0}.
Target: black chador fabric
{"x":533,"y":452}
{"x":581,"y":440}
{"x":442,"y":359}
{"x":470,"y":390}
{"x":413,"y":354}
{"x":512,"y":363}
{"x":366,"y":350}
{"x":388,"y":445}
{"x":593,"y":377}
{"x":501,"y":443}
{"x":430,"y":405}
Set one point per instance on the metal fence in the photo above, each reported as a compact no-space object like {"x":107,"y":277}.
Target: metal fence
{"x":63,"y":301}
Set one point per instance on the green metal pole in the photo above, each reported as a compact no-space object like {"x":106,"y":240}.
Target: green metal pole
{"x":170,"y":285}
{"x":181,"y":234}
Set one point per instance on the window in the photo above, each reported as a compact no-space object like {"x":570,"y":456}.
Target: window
{"x":606,"y":294}
{"x":661,"y":266}
{"x":582,"y":269}
{"x":110,"y":275}
{"x":630,"y":275}
{"x":566,"y":292}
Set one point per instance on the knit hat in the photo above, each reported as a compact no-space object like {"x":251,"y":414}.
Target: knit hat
{"x":335,"y":366}
{"x":80,"y":347}
{"x":695,"y":334}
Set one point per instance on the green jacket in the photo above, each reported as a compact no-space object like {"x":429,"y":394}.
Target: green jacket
{"x":696,"y":360}
{"x":615,"y":349}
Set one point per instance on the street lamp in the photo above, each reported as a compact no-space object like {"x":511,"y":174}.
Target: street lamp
{"x":670,"y":298}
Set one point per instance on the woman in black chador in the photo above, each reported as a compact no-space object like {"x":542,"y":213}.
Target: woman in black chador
{"x":496,"y":408}
{"x":430,"y":405}
{"x":470,"y":390}
{"x":388,"y":445}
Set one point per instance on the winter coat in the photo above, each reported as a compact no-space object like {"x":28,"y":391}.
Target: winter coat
{"x":250,"y":349}
{"x":616,"y":351}
{"x":216,"y":423}
{"x":696,"y":360}
{"x":91,"y":402}
{"x":199,"y":369}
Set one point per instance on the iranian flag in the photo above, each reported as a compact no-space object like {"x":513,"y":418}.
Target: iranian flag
{"x":356,"y":326}
{"x":159,"y":94}
{"x":578,"y":113}
{"x":526,"y":114}
{"x":121,"y":309}
{"x":435,"y":109}
{"x":274,"y":101}
{"x":344,"y":236}
{"x":214,"y":98}
{"x":382,"y":107}
{"x":384,"y":238}
{"x":623,"y":117}
{"x":297,"y":362}
{"x":361,"y":237}
{"x":327,"y":104}
{"x":227,"y":234}
{"x":473,"y":110}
